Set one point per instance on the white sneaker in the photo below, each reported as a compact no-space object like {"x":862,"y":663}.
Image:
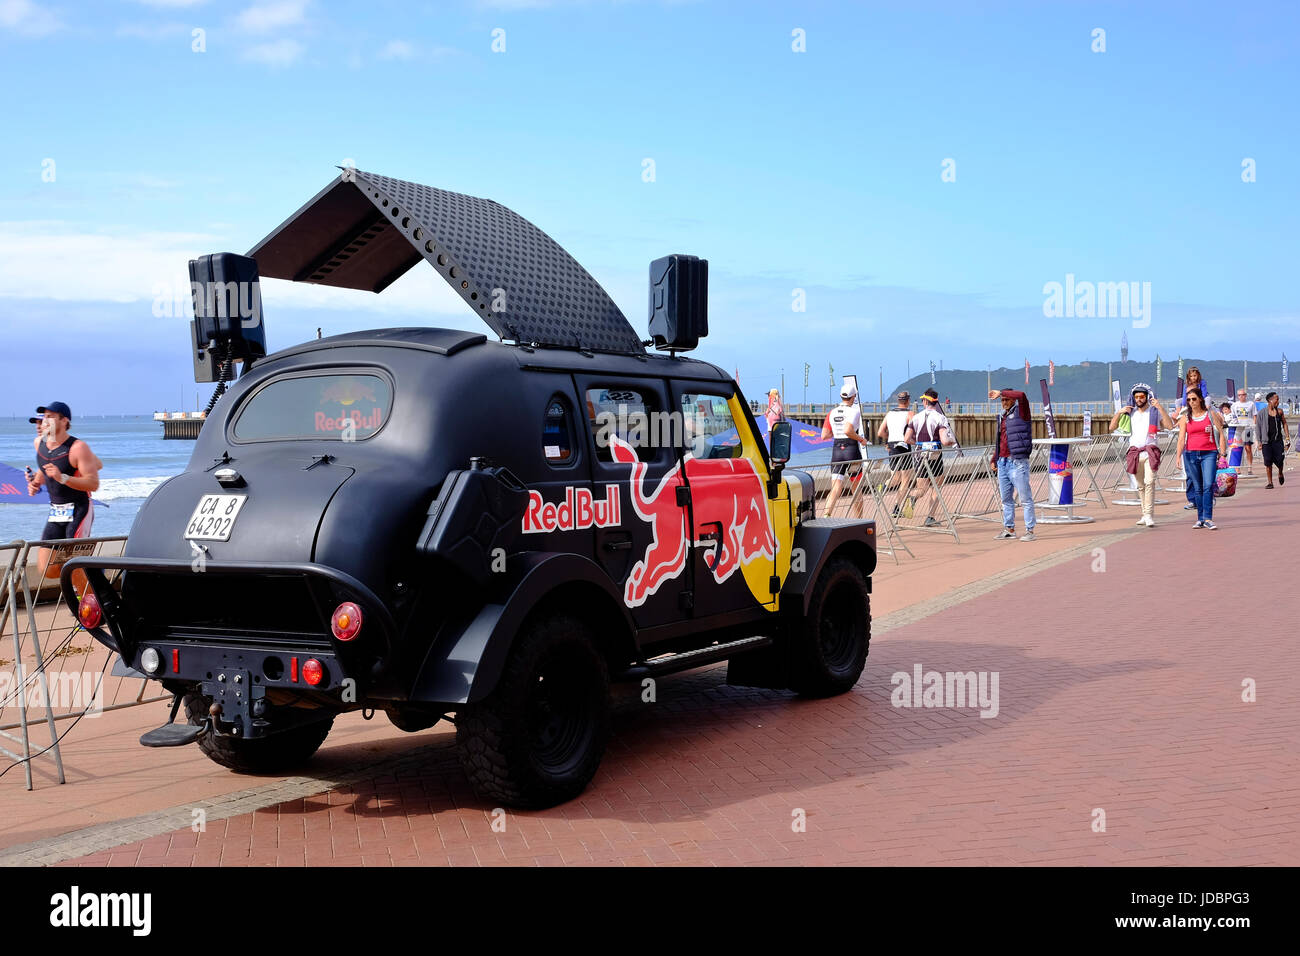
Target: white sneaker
{"x":1142,"y":520}
{"x":1148,"y":521}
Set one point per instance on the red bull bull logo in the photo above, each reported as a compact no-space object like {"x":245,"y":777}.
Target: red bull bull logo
{"x":578,"y":510}
{"x":347,"y":391}
{"x":729,"y":502}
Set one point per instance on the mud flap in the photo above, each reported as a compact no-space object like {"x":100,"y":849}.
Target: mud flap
{"x":767,"y":668}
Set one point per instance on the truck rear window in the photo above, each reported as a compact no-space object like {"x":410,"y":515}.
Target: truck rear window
{"x":339,"y":407}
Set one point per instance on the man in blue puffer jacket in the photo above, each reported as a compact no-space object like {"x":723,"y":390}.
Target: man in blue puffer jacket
{"x":1011,"y":460}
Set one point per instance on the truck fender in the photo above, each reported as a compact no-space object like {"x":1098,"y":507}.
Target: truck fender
{"x":463,"y":666}
{"x":818,"y":540}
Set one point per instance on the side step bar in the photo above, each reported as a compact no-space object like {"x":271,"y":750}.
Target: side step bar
{"x":700,"y":656}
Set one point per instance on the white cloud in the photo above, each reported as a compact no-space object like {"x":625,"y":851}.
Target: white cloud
{"x":397,"y":50}
{"x":171,"y":3}
{"x":152,"y":31}
{"x":52,"y":260}
{"x":25,"y":17}
{"x":280,"y":53}
{"x":264,"y":17}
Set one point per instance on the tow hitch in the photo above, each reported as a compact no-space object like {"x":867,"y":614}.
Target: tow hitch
{"x":236,"y":699}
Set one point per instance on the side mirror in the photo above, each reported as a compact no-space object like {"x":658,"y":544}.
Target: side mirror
{"x":780,"y":439}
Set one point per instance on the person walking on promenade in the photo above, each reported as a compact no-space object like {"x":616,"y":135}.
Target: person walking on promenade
{"x":929,"y":430}
{"x":1274,"y":436}
{"x":775,"y":410}
{"x":844,"y":423}
{"x":1011,"y":460}
{"x":1193,"y":380}
{"x":1244,"y":413}
{"x":1147,"y":416}
{"x":1200,"y":443}
{"x":893,"y":431}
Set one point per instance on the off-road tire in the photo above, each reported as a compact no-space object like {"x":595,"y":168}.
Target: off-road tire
{"x":280,"y":751}
{"x":827,"y":649}
{"x":517,"y":747}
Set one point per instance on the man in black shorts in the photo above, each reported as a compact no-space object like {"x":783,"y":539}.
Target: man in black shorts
{"x":844,"y":424}
{"x":71,"y":470}
{"x":1274,"y":435}
{"x":893,"y":431}
{"x":929,"y":430}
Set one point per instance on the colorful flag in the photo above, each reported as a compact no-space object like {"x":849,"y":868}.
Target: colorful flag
{"x":1285,"y":370}
{"x":1232,"y":391}
{"x":1051,"y":372}
{"x":932,"y":373}
{"x":1159,"y":365}
{"x":1026,"y":371}
{"x":1180,"y":366}
{"x":1060,"y":476}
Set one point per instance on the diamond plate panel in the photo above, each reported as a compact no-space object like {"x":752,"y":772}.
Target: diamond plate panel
{"x":517,"y":278}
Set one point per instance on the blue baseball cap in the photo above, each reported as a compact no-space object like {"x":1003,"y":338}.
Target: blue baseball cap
{"x":58,"y":408}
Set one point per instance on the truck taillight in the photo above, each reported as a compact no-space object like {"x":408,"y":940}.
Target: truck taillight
{"x":89,"y":612}
{"x":312,"y":672}
{"x":346,"y":622}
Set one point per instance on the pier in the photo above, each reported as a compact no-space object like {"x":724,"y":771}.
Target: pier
{"x":181,"y":425}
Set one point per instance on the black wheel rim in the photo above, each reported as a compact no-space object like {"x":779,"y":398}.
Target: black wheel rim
{"x":562,"y":712}
{"x":841,"y":628}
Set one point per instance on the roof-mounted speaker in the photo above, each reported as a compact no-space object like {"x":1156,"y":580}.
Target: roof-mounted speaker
{"x":679,"y":302}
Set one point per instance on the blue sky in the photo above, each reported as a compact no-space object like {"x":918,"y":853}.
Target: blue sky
{"x":816,"y":170}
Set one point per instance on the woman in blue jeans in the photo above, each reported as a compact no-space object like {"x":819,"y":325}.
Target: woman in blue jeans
{"x":1200,"y":442}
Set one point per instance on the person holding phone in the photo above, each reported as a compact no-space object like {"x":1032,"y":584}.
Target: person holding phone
{"x":1200,"y":443}
{"x":1146,"y":416}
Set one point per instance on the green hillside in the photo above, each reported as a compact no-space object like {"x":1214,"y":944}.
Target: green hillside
{"x":1086,"y":382}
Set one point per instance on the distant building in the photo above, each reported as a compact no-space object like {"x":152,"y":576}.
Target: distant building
{"x":1123,"y":348}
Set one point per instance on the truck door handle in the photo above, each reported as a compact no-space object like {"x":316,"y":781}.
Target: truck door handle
{"x":624,"y":545}
{"x":711,"y":535}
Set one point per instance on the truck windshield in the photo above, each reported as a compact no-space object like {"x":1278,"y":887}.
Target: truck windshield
{"x":341,"y":407}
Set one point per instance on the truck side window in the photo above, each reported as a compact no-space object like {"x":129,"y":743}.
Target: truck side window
{"x":710,"y":428}
{"x":557,"y":432}
{"x":628,"y":413}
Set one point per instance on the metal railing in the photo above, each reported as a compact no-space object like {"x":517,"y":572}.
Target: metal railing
{"x":59,"y":673}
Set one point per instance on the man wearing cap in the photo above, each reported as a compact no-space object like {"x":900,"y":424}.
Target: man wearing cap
{"x":844,"y":424}
{"x":71,"y":470}
{"x":1147,"y":416}
{"x":929,"y":430}
{"x":1011,"y":461}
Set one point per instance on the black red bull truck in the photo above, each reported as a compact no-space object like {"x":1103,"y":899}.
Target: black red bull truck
{"x":435,"y":525}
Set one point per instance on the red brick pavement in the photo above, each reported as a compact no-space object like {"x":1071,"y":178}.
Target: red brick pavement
{"x":1119,"y":690}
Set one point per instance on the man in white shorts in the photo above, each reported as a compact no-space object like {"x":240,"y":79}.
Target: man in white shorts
{"x":1243,"y":417}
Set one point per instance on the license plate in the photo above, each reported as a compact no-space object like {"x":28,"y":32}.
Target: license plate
{"x":214,"y":518}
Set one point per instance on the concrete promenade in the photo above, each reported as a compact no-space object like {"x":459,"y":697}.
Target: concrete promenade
{"x":1120,"y":702}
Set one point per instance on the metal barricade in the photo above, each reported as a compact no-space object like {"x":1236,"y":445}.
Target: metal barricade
{"x":59,"y":672}
{"x":860,"y":497}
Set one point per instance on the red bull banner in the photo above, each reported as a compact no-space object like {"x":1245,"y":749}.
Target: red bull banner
{"x":1235,"y":446}
{"x":579,"y":509}
{"x":1060,"y":477}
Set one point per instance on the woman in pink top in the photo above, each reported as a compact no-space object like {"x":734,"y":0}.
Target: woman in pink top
{"x":1200,"y":442}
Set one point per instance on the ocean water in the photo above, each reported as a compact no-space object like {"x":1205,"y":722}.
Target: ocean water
{"x":136,"y":460}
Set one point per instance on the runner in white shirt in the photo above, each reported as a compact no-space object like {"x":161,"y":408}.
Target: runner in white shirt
{"x":893,"y":431}
{"x":844,"y":424}
{"x":929,"y":430}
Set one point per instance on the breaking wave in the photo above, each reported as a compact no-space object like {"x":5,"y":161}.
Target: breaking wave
{"x":111,"y":488}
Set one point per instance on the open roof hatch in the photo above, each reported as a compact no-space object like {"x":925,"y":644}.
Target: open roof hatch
{"x":364,"y":231}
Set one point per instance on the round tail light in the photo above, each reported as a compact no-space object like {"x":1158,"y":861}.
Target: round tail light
{"x":89,"y":612}
{"x":312,"y":671}
{"x":346,"y":622}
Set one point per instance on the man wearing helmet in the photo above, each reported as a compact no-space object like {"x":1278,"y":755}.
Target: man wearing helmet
{"x":1148,"y":416}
